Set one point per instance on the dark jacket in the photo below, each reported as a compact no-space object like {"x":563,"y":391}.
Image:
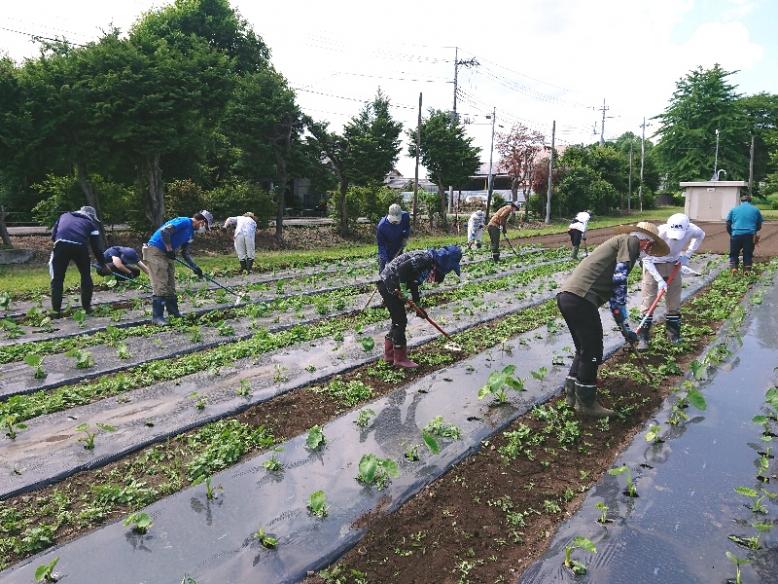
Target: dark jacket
{"x":391,"y":237}
{"x":77,"y":228}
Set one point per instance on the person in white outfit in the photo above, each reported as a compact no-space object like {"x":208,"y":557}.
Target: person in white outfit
{"x":245,"y":234}
{"x":684,"y":238}
{"x":577,"y":231}
{"x":475,"y":229}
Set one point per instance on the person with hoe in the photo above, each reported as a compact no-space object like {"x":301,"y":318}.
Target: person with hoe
{"x":475,"y":229}
{"x":743,"y":223}
{"x":244,"y":239}
{"x":124,"y":261}
{"x":73,"y":234}
{"x":599,"y":278}
{"x":412,"y":269}
{"x":577,"y":231}
{"x":392,"y":234}
{"x":160,"y":255}
{"x":499,"y":222}
{"x":683,"y":239}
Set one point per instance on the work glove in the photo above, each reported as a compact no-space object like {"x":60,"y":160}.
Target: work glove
{"x":683,"y":260}
{"x":103,"y":270}
{"x":171,"y":254}
{"x":198,"y":271}
{"x":661,"y":285}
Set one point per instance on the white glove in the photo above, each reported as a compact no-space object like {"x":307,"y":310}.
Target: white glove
{"x":683,"y":260}
{"x":661,"y":285}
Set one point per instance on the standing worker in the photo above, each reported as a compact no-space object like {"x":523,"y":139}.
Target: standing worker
{"x":71,"y":234}
{"x":412,"y":269}
{"x":577,"y":231}
{"x":475,"y":229}
{"x":124,"y":261}
{"x":160,"y":254}
{"x":683,"y":239}
{"x":392,"y":235}
{"x":244,"y":239}
{"x":743,"y":223}
{"x":599,"y":278}
{"x":499,"y":222}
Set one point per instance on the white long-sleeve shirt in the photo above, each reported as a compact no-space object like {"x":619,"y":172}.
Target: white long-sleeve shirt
{"x":687,"y":245}
{"x":244,"y":226}
{"x":581,"y":221}
{"x":475,"y":226}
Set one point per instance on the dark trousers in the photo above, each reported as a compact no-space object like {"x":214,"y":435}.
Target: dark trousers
{"x":62,"y":255}
{"x":741,"y":242}
{"x":397,"y":312}
{"x":583,"y":320}
{"x":575,"y":237}
{"x":494,"y":238}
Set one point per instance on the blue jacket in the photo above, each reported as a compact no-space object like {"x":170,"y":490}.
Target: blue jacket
{"x":390,"y":237}
{"x":77,"y":228}
{"x":126,"y":254}
{"x":745,"y":219}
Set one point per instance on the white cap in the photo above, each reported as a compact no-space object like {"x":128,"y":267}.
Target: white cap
{"x":395,"y":213}
{"x":583,"y":217}
{"x":677,"y":225}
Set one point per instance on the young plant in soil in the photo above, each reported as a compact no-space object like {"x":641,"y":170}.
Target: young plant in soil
{"x":245,"y":389}
{"x":498,"y":381}
{"x":88,"y":439}
{"x":272,"y":464}
{"x":140,"y":522}
{"x":315,"y":440}
{"x":11,"y":425}
{"x":317,"y":504}
{"x":84,"y":359}
{"x":654,"y":434}
{"x":265,"y":539}
{"x":36,"y":362}
{"x":738,"y":562}
{"x":603,"y":509}
{"x":631,"y":490}
{"x":757,"y":500}
{"x":412,"y":453}
{"x":375,"y":471}
{"x":578,"y":542}
{"x":123,"y":351}
{"x":45,"y":572}
{"x":363,"y":417}
{"x":210,"y":490}
{"x":367,"y":344}
{"x":540,"y":374}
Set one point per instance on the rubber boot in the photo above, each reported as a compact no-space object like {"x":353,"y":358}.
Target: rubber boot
{"x":401,"y":358}
{"x":171,"y":303}
{"x":570,"y":391}
{"x":575,"y":252}
{"x":746,"y":270}
{"x":673,"y":328}
{"x":586,"y":402}
{"x":249,"y":265}
{"x":242,"y":266}
{"x":495,"y":257}
{"x":643,"y":335}
{"x":158,"y":310}
{"x":388,"y":350}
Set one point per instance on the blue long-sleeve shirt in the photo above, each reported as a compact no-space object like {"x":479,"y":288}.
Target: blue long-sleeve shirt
{"x":78,"y":228}
{"x":745,"y":219}
{"x":390,"y":237}
{"x":179,"y":233}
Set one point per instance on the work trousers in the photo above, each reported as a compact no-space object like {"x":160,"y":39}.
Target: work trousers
{"x":396,"y":309}
{"x":244,"y":246}
{"x":743,"y":242}
{"x":583,"y":320}
{"x":575,"y":237}
{"x":61,"y":256}
{"x":162,"y":271}
{"x":650,"y":289}
{"x":494,"y":238}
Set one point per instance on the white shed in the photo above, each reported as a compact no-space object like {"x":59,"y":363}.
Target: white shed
{"x":711,"y":200}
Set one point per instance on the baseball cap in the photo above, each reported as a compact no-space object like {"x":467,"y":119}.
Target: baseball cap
{"x":677,"y":225}
{"x":395,"y":213}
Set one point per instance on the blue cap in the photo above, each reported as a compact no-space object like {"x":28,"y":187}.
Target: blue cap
{"x":447,"y":259}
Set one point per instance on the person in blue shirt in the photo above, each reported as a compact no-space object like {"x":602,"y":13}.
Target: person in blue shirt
{"x":392,"y":235}
{"x":743,"y":223}
{"x":73,"y":234}
{"x":124,"y":261}
{"x":160,"y":254}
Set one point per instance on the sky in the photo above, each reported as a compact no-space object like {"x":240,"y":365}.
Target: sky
{"x":538,"y":60}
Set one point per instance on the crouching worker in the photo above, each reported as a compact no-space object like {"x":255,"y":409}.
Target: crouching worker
{"x":124,"y":262}
{"x":160,"y":254}
{"x":498,"y":223}
{"x":577,"y":231}
{"x":599,"y":278}
{"x":411,"y":269}
{"x":244,"y":239}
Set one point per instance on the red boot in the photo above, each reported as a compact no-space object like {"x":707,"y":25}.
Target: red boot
{"x":388,"y":351}
{"x":401,"y":358}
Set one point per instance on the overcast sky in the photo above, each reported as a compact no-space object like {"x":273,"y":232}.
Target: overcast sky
{"x":540,"y":60}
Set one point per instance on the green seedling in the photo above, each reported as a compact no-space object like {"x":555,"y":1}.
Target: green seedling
{"x":437,"y":427}
{"x":210,"y":490}
{"x":11,"y":425}
{"x":363,"y":418}
{"x":266,"y":540}
{"x":697,"y":369}
{"x":376,"y":471}
{"x":140,"y":522}
{"x":225,"y":329}
{"x":88,"y":440}
{"x":310,"y":368}
{"x":84,"y":359}
{"x":338,"y":337}
{"x":757,"y":500}
{"x":578,"y":542}
{"x":654,"y":433}
{"x":195,"y":334}
{"x":123,"y":351}
{"x":738,"y":562}
{"x":317,"y":504}
{"x":280,"y":374}
{"x":245,"y":389}
{"x":45,"y":572}
{"x":36,"y":362}
{"x":367,"y":344}
{"x":80,"y":317}
{"x":272,"y":464}
{"x":5,"y":300}
{"x":751,"y":543}
{"x":696,"y":399}
{"x":631,"y":490}
{"x":412,"y":453}
{"x":539,"y":374}
{"x":315,"y":439}
{"x":430,"y":442}
{"x":603,"y":509}
{"x":498,"y":381}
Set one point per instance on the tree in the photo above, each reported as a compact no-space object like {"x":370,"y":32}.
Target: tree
{"x":519,"y":150}
{"x":333,"y":153}
{"x":584,"y":188}
{"x":446,"y":152}
{"x":703,"y":102}
{"x":761,"y":112}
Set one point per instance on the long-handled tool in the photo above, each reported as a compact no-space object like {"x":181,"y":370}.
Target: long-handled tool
{"x":238,"y":296}
{"x":121,"y":276}
{"x":659,"y":296}
{"x":513,"y":249}
{"x":369,"y":300}
{"x":451,"y":345}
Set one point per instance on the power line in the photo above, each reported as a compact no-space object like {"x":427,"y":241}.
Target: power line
{"x":39,"y":38}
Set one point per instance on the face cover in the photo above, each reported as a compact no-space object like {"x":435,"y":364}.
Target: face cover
{"x":201,"y":229}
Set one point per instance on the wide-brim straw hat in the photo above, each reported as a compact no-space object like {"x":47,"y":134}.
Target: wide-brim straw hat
{"x":660,"y":247}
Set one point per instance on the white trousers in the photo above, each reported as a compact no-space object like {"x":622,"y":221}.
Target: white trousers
{"x":244,"y":247}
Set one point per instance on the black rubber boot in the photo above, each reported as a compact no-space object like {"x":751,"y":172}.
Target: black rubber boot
{"x":673,"y":327}
{"x":171,"y":303}
{"x":242,"y":266}
{"x":495,"y":257}
{"x":249,"y":265}
{"x":158,"y":310}
{"x":586,"y":402}
{"x":570,"y":391}
{"x":643,"y":335}
{"x":575,"y":252}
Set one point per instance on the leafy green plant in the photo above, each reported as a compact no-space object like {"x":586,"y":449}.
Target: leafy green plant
{"x":654,"y":434}
{"x":5,"y":300}
{"x":317,"y":504}
{"x":315,"y":439}
{"x":631,"y":490}
{"x":603,"y":509}
{"x":363,"y":418}
{"x":412,"y":453}
{"x":498,"y":381}
{"x":367,"y":344}
{"x":430,"y":442}
{"x":266,"y":540}
{"x":80,"y":317}
{"x":578,"y":542}
{"x":245,"y":389}
{"x":225,"y":329}
{"x":45,"y":572}
{"x":139,"y":521}
{"x":84,"y":359}
{"x":540,"y":374}
{"x":751,"y":543}
{"x":438,"y":427}
{"x":88,"y":439}
{"x":11,"y":425}
{"x":757,"y":500}
{"x":738,"y":562}
{"x":376,"y":471}
{"x":272,"y":464}
{"x":36,"y":361}
{"x":123,"y":351}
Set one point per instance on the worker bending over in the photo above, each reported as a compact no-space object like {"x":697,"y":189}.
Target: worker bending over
{"x":499,"y":222}
{"x":392,"y":235}
{"x":577,"y":231}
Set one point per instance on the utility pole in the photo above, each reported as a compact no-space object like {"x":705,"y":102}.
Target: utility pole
{"x":491,"y":178}
{"x":416,"y":172}
{"x":602,"y":125}
{"x":751,"y":168}
{"x":457,"y":64}
{"x":550,"y":174}
{"x":629,"y":188}
{"x":642,"y":161}
{"x":716,"y":159}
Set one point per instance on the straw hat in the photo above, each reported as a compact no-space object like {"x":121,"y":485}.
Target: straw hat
{"x":660,"y":247}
